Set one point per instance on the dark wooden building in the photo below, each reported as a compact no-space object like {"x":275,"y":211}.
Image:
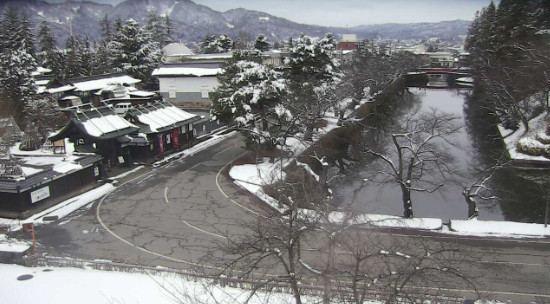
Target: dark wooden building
{"x":164,"y":128}
{"x":99,"y":130}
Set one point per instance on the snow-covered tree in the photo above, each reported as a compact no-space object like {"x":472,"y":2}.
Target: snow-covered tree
{"x":134,"y":51}
{"x":17,"y":87}
{"x":73,"y":65}
{"x":313,"y":73}
{"x":247,"y":87}
{"x":48,"y":47}
{"x":261,"y":43}
{"x":105,"y":29}
{"x":212,"y":44}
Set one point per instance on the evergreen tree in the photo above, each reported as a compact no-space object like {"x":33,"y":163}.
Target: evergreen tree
{"x":261,"y":43}
{"x":101,"y":59}
{"x":156,"y":27}
{"x":313,"y":74}
{"x":27,"y":38}
{"x":225,"y":43}
{"x":134,"y":51}
{"x":17,"y":86}
{"x":48,"y":46}
{"x":86,"y":56}
{"x":210,"y":45}
{"x":169,"y":27}
{"x":105,"y":29}
{"x":73,"y":66}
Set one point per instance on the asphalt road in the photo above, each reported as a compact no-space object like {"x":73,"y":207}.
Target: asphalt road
{"x":173,"y":215}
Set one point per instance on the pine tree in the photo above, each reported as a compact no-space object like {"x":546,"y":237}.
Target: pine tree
{"x":73,"y":66}
{"x":313,"y":74}
{"x":17,"y":86}
{"x":210,"y":45}
{"x":261,"y":43}
{"x":225,"y":43}
{"x":86,"y":56}
{"x":105,"y":29}
{"x":134,"y":51}
{"x":48,"y":46}
{"x":169,"y":28}
{"x":26,"y":29}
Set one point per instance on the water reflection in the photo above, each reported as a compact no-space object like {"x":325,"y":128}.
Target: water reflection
{"x":520,"y":198}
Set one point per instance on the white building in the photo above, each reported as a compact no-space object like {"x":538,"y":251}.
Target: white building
{"x":188,"y":84}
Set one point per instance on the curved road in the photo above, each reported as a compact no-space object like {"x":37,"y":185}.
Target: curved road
{"x":174,"y":214}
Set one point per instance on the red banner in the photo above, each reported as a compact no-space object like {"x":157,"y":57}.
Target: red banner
{"x":161,"y":145}
{"x":176,"y":137}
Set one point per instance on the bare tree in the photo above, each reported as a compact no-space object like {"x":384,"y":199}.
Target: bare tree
{"x":417,"y":158}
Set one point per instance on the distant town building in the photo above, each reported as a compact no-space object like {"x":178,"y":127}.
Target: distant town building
{"x":348,"y":42}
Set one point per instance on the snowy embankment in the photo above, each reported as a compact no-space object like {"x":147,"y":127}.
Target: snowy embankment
{"x":537,"y":128}
{"x":494,"y":228}
{"x":13,"y":245}
{"x":247,"y":177}
{"x":60,"y":210}
{"x":65,"y":285}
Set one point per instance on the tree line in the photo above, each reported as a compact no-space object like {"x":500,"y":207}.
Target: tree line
{"x":510,"y":58}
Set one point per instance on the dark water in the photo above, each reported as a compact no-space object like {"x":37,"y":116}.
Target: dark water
{"x":519,"y":198}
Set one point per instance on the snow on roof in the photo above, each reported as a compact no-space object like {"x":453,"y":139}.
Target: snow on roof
{"x":142,"y":93}
{"x":99,"y":84}
{"x":40,"y":71}
{"x":64,"y":88}
{"x":465,"y":79}
{"x":176,"y":49}
{"x":42,"y":82}
{"x":104,"y":124}
{"x":70,"y":97}
{"x":186,"y":71}
{"x":162,"y":116}
{"x":211,"y":56}
{"x":41,"y":90}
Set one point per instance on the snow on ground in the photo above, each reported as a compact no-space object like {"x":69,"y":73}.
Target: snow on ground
{"x":263,"y":174}
{"x":61,"y":209}
{"x":494,"y":228}
{"x":536,"y":125}
{"x":13,"y":245}
{"x":246,"y":176}
{"x":67,"y":286}
{"x":128,"y":172}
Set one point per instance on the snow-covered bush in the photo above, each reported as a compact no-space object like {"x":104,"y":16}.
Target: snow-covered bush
{"x":531,"y":146}
{"x":543,"y":138}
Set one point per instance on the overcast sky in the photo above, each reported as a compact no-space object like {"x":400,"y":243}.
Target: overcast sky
{"x":351,"y":12}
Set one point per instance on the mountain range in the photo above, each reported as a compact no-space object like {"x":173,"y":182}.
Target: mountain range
{"x":193,"y":21}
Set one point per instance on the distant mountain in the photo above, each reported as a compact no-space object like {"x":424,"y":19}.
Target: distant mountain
{"x":445,"y":30}
{"x":193,"y":21}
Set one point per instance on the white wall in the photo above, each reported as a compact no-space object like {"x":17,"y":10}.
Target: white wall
{"x":188,"y":84}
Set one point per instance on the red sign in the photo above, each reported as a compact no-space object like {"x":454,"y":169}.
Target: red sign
{"x":176,"y":137}
{"x":161,"y":145}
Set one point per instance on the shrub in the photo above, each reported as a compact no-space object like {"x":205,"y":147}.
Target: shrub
{"x":530,"y":146}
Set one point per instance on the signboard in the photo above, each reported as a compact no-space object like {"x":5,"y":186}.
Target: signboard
{"x":96,"y":171}
{"x":40,"y":194}
{"x":171,"y":94}
{"x":176,"y":137}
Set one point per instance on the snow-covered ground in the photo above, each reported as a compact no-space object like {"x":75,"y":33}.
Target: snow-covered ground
{"x":65,"y":285}
{"x":60,"y":210}
{"x":13,"y":245}
{"x":511,"y":139}
{"x":494,"y":228}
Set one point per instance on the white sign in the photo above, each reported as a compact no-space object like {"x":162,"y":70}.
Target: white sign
{"x":96,"y":171}
{"x":40,"y":194}
{"x":204,"y":94}
{"x":171,"y":94}
{"x":194,"y":132}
